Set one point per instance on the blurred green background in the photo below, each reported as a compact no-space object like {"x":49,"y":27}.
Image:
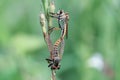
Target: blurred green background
{"x":92,"y":51}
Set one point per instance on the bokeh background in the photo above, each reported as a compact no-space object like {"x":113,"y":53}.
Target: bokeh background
{"x":92,"y":51}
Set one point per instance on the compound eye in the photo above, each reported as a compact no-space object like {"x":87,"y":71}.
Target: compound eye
{"x":61,"y":11}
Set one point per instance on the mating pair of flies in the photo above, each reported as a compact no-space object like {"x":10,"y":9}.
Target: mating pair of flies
{"x":58,"y":47}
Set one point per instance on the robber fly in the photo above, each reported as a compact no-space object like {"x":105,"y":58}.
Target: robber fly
{"x":57,"y":53}
{"x":62,"y":18}
{"x":58,"y":47}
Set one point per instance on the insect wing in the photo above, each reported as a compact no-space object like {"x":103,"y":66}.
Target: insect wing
{"x":67,"y":30}
{"x":61,"y":48}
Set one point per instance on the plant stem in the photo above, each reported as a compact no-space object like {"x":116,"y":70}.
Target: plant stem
{"x":48,"y":7}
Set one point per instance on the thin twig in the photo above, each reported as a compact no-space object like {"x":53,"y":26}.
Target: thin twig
{"x":47,"y":25}
{"x":53,"y":75}
{"x":45,"y":33}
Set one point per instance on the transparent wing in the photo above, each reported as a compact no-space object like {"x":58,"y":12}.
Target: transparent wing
{"x":61,"y":48}
{"x":67,"y":30}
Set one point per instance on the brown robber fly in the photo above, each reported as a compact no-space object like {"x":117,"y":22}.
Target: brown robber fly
{"x":57,"y":53}
{"x":58,"y":47}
